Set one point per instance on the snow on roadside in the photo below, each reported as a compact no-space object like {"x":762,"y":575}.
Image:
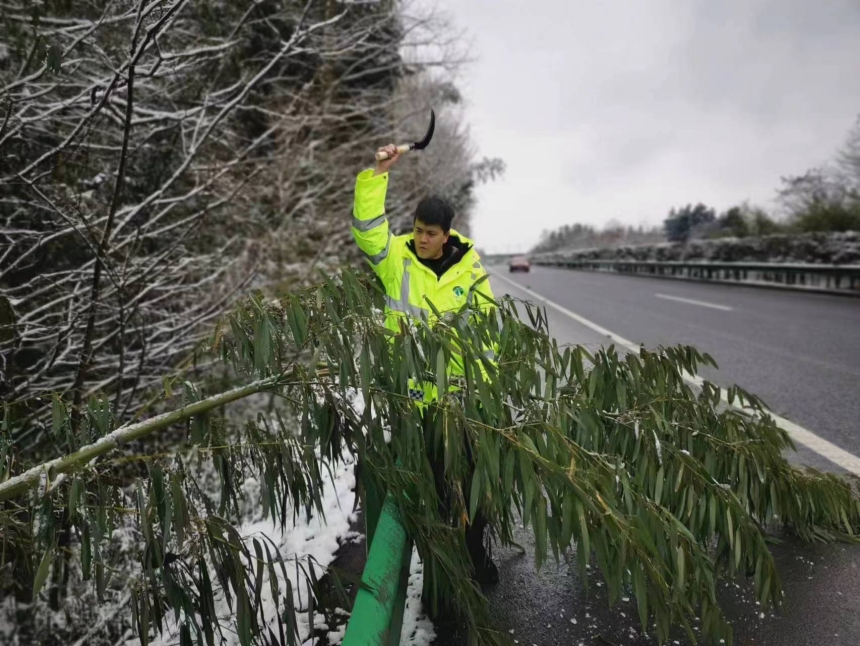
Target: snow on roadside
{"x":417,"y":629}
{"x":318,"y":539}
{"x":356,"y":400}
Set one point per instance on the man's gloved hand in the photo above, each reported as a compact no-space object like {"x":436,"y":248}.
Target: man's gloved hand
{"x":386,"y":164}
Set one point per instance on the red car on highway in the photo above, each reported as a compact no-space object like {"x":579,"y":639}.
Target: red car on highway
{"x":520,"y":263}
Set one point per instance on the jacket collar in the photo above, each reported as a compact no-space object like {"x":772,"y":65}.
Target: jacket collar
{"x":454,"y":238}
{"x":464,"y":245}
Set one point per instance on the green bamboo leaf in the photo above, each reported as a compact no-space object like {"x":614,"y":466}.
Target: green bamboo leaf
{"x":42,"y":572}
{"x":180,"y":511}
{"x":475,"y":494}
{"x":144,"y":619}
{"x":441,"y":373}
{"x":765,"y":591}
{"x":658,"y":487}
{"x":679,"y":477}
{"x":289,"y":614}
{"x":621,"y":394}
{"x":641,"y":591}
{"x":531,"y":314}
{"x":592,"y":383}
{"x":487,"y":400}
{"x":364,"y":370}
{"x":540,"y":532}
{"x":628,"y":492}
{"x":134,"y":602}
{"x":273,"y":578}
{"x":244,"y":615}
{"x":243,"y":343}
{"x":528,"y":443}
{"x":76,"y":490}
{"x":510,"y":463}
{"x":738,"y":546}
{"x":156,"y":475}
{"x":167,"y":523}
{"x":258,"y":580}
{"x":54,"y":58}
{"x":730,"y":525}
{"x":58,"y":414}
{"x":583,"y":529}
{"x":680,"y":579}
{"x":691,"y":500}
{"x":567,"y":510}
{"x":530,"y":489}
{"x":301,"y":322}
{"x":845,"y":522}
{"x":262,"y":345}
{"x":712,"y":509}
{"x":207,"y":602}
{"x":86,"y":551}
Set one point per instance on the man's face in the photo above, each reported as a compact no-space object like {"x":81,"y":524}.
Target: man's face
{"x":429,"y":240}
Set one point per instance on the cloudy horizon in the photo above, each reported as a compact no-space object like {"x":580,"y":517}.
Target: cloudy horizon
{"x":624,"y":110}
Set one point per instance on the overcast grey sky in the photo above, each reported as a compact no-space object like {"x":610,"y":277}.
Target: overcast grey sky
{"x":623,"y":109}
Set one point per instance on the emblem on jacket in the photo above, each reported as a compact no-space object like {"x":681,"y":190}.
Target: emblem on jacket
{"x":458,"y":292}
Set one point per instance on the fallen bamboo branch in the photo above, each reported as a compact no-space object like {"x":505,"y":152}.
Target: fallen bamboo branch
{"x":22,"y":482}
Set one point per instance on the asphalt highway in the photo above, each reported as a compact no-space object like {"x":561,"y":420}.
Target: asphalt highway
{"x":820,"y":607}
{"x":799,"y":352}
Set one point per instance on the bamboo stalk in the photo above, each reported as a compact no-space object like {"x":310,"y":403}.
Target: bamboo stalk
{"x":25,"y":481}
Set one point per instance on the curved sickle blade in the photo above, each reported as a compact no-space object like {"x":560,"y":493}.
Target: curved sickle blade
{"x":421,"y":145}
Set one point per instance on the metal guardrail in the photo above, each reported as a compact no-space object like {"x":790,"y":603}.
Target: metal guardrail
{"x":377,"y":614}
{"x":831,"y":279}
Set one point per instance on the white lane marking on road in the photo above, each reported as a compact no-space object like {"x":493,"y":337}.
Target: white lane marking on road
{"x":576,"y":317}
{"x":800,"y":435}
{"x":692,"y":301}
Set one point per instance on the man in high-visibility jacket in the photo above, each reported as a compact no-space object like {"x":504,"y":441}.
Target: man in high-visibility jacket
{"x":433,"y":263}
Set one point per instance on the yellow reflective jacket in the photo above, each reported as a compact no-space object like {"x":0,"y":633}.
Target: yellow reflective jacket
{"x":408,"y":283}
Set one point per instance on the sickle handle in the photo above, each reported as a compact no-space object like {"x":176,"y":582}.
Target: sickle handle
{"x":382,"y":156}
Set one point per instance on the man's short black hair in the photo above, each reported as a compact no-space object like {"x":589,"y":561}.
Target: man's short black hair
{"x":435,"y":210}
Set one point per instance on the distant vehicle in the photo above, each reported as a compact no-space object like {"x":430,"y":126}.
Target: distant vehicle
{"x":520,"y":263}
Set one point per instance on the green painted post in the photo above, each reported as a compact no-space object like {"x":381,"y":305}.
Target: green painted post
{"x":374,"y":499}
{"x":399,"y":609}
{"x":377,"y":615}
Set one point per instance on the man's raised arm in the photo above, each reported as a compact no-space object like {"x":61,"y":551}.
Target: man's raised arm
{"x":369,"y":224}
